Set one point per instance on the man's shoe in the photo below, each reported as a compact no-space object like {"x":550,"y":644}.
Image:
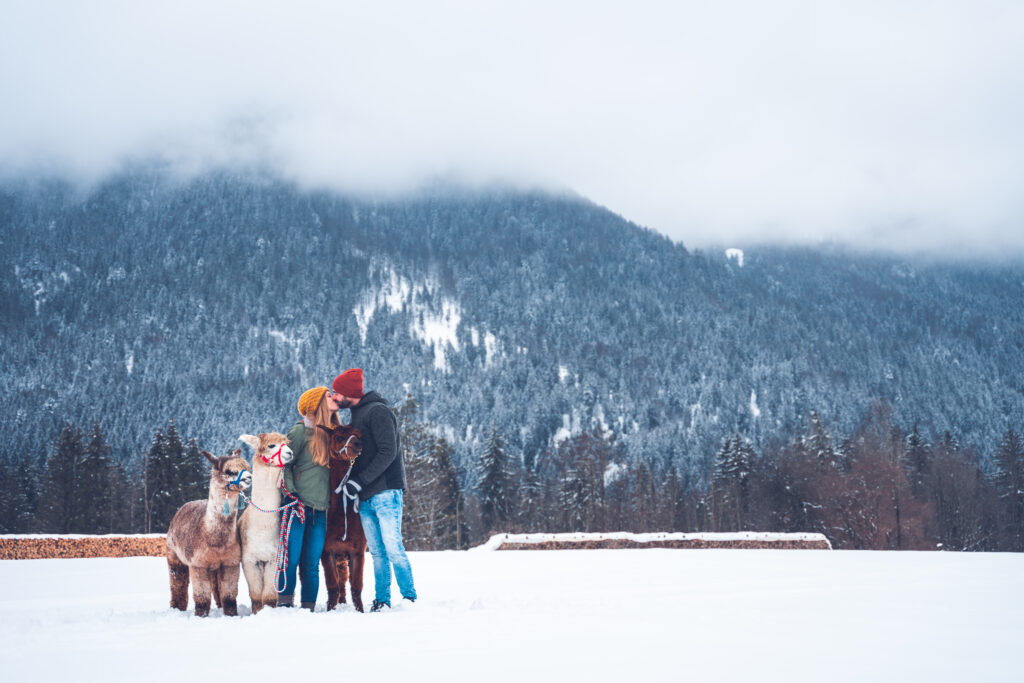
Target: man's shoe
{"x":378,"y":605}
{"x":311,"y":606}
{"x":285,"y":600}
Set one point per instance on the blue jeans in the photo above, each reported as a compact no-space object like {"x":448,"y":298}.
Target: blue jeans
{"x":381,"y":516}
{"x":305,"y":544}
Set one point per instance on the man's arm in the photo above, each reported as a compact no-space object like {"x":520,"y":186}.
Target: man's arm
{"x":382,"y":428}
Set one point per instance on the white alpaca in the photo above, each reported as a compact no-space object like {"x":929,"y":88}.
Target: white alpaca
{"x":259,"y":530}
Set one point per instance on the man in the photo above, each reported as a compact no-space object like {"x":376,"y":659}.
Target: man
{"x":376,"y":485}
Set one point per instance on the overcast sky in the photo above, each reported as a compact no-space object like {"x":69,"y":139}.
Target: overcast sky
{"x":880,"y":124}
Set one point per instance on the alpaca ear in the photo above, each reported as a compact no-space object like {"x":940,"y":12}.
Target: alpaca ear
{"x":253,"y":441}
{"x":209,"y":456}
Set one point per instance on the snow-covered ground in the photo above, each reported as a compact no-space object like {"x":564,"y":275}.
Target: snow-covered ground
{"x":592,"y":615}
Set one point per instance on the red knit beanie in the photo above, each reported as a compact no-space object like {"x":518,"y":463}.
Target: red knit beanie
{"x":349,"y":383}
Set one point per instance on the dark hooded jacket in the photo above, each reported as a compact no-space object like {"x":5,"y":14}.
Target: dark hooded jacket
{"x":379,"y":467}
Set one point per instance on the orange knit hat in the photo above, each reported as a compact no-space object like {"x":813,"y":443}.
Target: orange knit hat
{"x":309,"y":400}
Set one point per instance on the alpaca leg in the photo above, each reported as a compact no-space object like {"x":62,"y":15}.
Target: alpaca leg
{"x":343,"y":566}
{"x":253,"y":571}
{"x":201,"y":588}
{"x":331,"y":580}
{"x":269,"y":590}
{"x":355,"y":577}
{"x":179,"y":583}
{"x":228,"y":580}
{"x":215,"y":584}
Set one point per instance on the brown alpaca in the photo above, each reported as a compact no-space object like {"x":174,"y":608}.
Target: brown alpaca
{"x":345,"y":546}
{"x":202,"y":541}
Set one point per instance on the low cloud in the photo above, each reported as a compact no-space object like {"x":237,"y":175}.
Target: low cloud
{"x":873,"y":124}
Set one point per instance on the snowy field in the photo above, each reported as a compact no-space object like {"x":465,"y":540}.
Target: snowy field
{"x":649,"y":614}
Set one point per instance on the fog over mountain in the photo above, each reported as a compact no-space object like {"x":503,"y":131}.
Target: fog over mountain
{"x":866,"y":124}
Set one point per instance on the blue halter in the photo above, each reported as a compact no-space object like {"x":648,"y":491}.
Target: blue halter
{"x":236,"y":482}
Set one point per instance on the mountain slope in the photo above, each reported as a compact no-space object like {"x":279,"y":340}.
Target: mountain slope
{"x":217,"y":301}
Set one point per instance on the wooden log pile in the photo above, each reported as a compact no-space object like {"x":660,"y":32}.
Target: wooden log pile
{"x":76,"y":546}
{"x":585,"y":541}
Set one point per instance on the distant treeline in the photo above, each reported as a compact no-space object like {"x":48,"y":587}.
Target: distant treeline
{"x":81,"y":489}
{"x":877,"y":488}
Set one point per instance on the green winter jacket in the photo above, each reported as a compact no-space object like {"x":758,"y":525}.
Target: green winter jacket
{"x":307,"y":480}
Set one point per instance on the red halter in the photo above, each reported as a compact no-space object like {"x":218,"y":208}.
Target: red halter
{"x":270,"y":459}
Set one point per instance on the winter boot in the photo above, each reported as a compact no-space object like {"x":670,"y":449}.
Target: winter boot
{"x":378,"y":606}
{"x":311,"y":606}
{"x":285,"y":600}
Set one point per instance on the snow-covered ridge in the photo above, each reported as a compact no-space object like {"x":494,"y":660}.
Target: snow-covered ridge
{"x":613,"y":472}
{"x":44,"y":281}
{"x":435,"y":316}
{"x":496,"y":541}
{"x":736,"y":254}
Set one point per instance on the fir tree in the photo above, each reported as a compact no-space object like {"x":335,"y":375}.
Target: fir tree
{"x":446,"y":509}
{"x":15,"y":509}
{"x":174,"y":452}
{"x":1009,"y":478}
{"x":672,"y":510}
{"x":745,"y":456}
{"x":950,"y":443}
{"x":155,"y":476}
{"x":57,"y":510}
{"x":434,"y":513}
{"x":421,"y":480}
{"x":122,"y":493}
{"x":92,"y":494}
{"x":819,"y":443}
{"x":494,"y":488}
{"x":731,"y":483}
{"x":531,"y":508}
{"x":171,"y":477}
{"x":581,"y":493}
{"x":917,"y":460}
{"x":618,"y":506}
{"x":195,"y":474}
{"x":643,"y":496}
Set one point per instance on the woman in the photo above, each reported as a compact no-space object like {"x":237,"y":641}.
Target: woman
{"x":308,"y":477}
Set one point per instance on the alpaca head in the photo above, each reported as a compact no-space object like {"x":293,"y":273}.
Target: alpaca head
{"x":346,"y":443}
{"x":230,"y":472}
{"x":271,"y":449}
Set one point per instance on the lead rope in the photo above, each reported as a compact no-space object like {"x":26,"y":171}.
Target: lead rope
{"x":344,"y":498}
{"x":299,"y":511}
{"x":283,"y":535}
{"x":344,"y":502}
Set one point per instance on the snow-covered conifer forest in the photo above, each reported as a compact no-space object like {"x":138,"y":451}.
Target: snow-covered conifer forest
{"x":555,"y":366}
